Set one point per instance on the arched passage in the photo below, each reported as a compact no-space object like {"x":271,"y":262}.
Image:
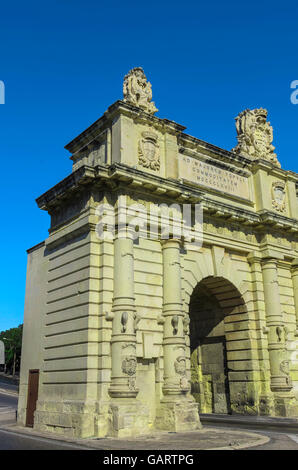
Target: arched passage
{"x":213,"y":304}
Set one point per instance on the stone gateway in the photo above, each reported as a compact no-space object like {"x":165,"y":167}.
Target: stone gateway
{"x":130,"y":325}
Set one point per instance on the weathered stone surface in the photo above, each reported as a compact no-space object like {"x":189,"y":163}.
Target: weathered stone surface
{"x":213,"y":177}
{"x":132,"y":335}
{"x":255,"y":135}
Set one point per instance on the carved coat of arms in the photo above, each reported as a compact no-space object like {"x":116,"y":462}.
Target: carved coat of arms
{"x":137,"y":90}
{"x":129,"y":365}
{"x":285,"y":367}
{"x":180,"y":369}
{"x":149,"y":151}
{"x":279,"y":196}
{"x":255,"y":135}
{"x":180,"y":365}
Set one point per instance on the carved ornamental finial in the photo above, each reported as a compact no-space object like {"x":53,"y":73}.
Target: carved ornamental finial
{"x":137,"y":90}
{"x":255,"y":135}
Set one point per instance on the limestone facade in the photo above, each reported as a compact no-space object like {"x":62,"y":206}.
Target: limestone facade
{"x":131,"y":335}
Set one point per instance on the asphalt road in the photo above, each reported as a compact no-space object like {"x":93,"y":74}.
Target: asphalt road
{"x":283,"y":439}
{"x":8,"y":400}
{"x":7,"y":385}
{"x":10,"y":440}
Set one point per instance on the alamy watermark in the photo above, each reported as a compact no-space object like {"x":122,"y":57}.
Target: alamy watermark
{"x":2,"y":92}
{"x":151,"y":221}
{"x":294,"y":94}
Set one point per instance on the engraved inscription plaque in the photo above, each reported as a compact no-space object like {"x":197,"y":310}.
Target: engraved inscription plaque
{"x":204,"y":174}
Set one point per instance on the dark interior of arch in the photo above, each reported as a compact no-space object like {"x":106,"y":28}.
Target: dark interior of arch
{"x":212,"y":300}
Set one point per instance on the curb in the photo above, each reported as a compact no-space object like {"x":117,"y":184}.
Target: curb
{"x":260,"y":439}
{"x":271,"y":423}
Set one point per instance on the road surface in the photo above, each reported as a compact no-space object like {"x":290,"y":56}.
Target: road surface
{"x":283,"y":439}
{"x":10,"y":440}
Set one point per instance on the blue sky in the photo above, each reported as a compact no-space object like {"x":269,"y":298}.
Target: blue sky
{"x":63,"y":63}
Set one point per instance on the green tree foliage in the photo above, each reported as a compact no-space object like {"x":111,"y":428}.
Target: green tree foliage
{"x":13,"y":344}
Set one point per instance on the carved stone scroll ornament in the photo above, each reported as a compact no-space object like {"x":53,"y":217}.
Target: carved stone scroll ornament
{"x":279,"y":331}
{"x":285,"y":370}
{"x":149,"y":151}
{"x":137,"y":90}
{"x":124,"y":319}
{"x":279,"y":196}
{"x":255,"y":135}
{"x":186,"y":322}
{"x":175,"y":323}
{"x":137,"y":318}
{"x":160,"y":319}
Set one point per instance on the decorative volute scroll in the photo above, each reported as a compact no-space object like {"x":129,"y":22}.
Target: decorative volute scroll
{"x":137,"y":90}
{"x":255,"y":135}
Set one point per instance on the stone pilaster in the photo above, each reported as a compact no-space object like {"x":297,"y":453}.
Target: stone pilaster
{"x":292,"y":197}
{"x":265,"y":395}
{"x":178,"y":410}
{"x":128,"y":416}
{"x":294,"y":271}
{"x":280,"y":381}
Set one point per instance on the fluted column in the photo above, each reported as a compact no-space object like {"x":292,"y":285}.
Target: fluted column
{"x":280,"y":381}
{"x":295,"y":289}
{"x":123,"y":341}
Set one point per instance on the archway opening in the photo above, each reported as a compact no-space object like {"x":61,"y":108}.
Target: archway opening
{"x":211,"y":308}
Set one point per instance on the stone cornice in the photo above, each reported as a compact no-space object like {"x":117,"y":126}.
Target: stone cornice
{"x":120,"y":107}
{"x":140,"y":116}
{"x":35,"y":247}
{"x":295,"y":264}
{"x":86,"y":144}
{"x":77,"y":179}
{"x":278,"y":220}
{"x":270,"y":255}
{"x":119,"y":176}
{"x":272,"y":169}
{"x":254,"y":257}
{"x":188,"y":142}
{"x":266,"y":255}
{"x":89,"y":134}
{"x":223,"y":162}
{"x":176,"y":191}
{"x":292,"y":176}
